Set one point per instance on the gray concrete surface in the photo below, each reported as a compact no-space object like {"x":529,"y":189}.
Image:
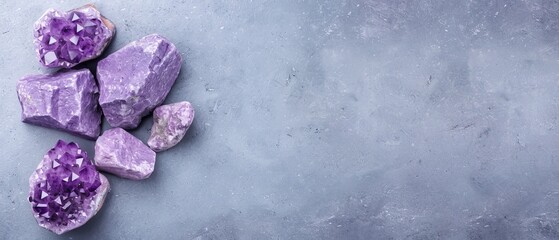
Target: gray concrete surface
{"x":369,"y":119}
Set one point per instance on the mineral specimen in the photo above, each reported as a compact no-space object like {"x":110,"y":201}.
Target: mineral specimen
{"x":120,"y":153}
{"x":66,"y":100}
{"x":65,"y":189}
{"x":170,"y":123}
{"x":136,"y":79}
{"x":64,"y":39}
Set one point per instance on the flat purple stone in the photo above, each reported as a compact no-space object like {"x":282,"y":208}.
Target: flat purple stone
{"x":66,"y":100}
{"x":66,"y":190}
{"x":64,"y":39}
{"x":136,"y":79}
{"x":170,"y":123}
{"x":120,"y":153}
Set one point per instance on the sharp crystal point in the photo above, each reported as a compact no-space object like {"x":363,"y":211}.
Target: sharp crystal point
{"x":72,"y":54}
{"x":79,"y":161}
{"x":50,"y":57}
{"x":74,"y":40}
{"x":89,"y":24}
{"x":74,"y":177}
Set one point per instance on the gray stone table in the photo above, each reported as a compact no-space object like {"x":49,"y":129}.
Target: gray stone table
{"x":371,"y":119}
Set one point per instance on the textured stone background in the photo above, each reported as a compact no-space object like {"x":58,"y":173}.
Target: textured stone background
{"x":320,"y":119}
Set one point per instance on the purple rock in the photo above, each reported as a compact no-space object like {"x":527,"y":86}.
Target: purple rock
{"x":66,"y":100}
{"x":64,"y":39}
{"x":170,"y":123}
{"x":65,"y":190}
{"x":136,"y":79}
{"x":120,"y":153}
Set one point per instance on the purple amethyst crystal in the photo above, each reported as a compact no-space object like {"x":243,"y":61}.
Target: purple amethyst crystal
{"x":136,"y":79}
{"x":120,"y":153}
{"x":66,"y":100}
{"x":64,"y":39}
{"x":66,"y":190}
{"x":170,"y":123}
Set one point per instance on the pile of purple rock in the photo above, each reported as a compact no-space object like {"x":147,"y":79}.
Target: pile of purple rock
{"x":66,"y":189}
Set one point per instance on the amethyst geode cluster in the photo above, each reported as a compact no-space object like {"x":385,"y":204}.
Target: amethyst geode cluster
{"x":66,"y":190}
{"x":64,"y":39}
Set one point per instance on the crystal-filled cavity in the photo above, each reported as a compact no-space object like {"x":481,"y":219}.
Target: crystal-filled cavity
{"x":66,"y":190}
{"x":64,"y":39}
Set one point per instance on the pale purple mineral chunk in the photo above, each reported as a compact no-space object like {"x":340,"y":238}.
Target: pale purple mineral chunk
{"x":64,"y":39}
{"x":120,"y":153}
{"x":136,"y":79}
{"x":66,"y":100}
{"x":66,"y":190}
{"x":170,"y":123}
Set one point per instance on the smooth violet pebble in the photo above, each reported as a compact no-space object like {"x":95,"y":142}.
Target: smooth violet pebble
{"x":170,"y":123}
{"x":66,"y":190}
{"x":136,"y":79}
{"x":66,"y":100}
{"x":120,"y":153}
{"x":64,"y":39}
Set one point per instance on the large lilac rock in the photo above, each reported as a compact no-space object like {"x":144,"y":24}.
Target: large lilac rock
{"x":66,"y":100}
{"x":64,"y":39}
{"x":120,"y":153}
{"x":65,"y":190}
{"x":136,"y":79}
{"x":170,"y":123}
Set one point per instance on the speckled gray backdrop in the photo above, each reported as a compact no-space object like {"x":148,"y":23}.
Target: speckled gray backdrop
{"x":371,"y":119}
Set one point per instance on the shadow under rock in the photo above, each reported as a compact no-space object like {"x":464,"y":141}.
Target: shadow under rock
{"x":116,"y":180}
{"x":179,"y":89}
{"x":192,"y":133}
